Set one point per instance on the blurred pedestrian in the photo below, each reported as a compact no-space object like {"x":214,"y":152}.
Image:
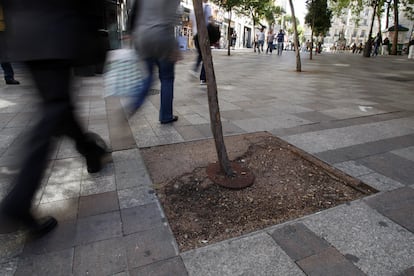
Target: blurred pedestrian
{"x":386,"y":46}
{"x":207,"y":17}
{"x":270,"y":38}
{"x":233,"y":39}
{"x":377,"y":44}
{"x":260,"y":40}
{"x":8,"y":73}
{"x":50,"y":37}
{"x":411,"y":48}
{"x":153,"y":35}
{"x":280,"y":39}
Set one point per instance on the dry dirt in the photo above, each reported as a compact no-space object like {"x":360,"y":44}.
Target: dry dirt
{"x":289,"y":184}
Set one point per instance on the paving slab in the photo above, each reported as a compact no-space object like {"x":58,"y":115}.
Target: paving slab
{"x":380,"y":182}
{"x":256,"y":254}
{"x":328,"y":262}
{"x":330,"y":139}
{"x":98,"y":227}
{"x":141,"y":218}
{"x":367,"y":149}
{"x":105,"y":257}
{"x":55,"y":263}
{"x":98,"y":204}
{"x":392,"y":166}
{"x":149,"y":246}
{"x":398,"y":205}
{"x":378,"y":245}
{"x":173,"y":266}
{"x":298,"y":241}
{"x":61,"y":238}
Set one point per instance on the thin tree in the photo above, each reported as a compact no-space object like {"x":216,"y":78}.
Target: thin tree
{"x":229,"y":6}
{"x":368,"y":44}
{"x":318,"y":18}
{"x":215,"y":119}
{"x":395,"y":38}
{"x":296,"y":38}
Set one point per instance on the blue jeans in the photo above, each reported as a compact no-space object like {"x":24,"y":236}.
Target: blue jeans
{"x":279,"y":48}
{"x":166,"y":76}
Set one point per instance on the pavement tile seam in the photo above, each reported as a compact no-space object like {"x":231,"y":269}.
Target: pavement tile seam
{"x":339,"y":226}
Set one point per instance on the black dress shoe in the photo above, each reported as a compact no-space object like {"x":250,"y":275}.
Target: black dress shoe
{"x":95,"y":151}
{"x":174,"y":118}
{"x":41,"y":227}
{"x":36,"y":228}
{"x":12,"y":81}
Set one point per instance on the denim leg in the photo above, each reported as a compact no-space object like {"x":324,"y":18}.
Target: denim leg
{"x":8,"y":70}
{"x":166,"y":75}
{"x":138,"y":99}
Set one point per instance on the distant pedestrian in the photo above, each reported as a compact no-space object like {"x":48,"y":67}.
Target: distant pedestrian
{"x":411,"y":49}
{"x":260,"y":40}
{"x":377,"y":44}
{"x":233,"y":39}
{"x":280,"y":39}
{"x":153,"y":34}
{"x":270,"y":38}
{"x":386,"y":46}
{"x":8,"y":73}
{"x":354,"y":48}
{"x":50,"y":37}
{"x":207,"y":17}
{"x":360,"y":48}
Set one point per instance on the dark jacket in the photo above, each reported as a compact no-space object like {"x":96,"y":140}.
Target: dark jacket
{"x":51,"y":29}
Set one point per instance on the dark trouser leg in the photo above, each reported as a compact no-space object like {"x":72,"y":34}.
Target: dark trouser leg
{"x":52,"y":79}
{"x":8,"y":71}
{"x":199,"y":60}
{"x":166,"y":74}
{"x":199,"y":57}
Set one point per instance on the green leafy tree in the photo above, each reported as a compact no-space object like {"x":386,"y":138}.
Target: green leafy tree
{"x":356,"y":6}
{"x":318,"y":18}
{"x":229,"y":6}
{"x":256,"y":9}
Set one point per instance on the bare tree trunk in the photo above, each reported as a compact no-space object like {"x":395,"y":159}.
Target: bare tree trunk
{"x":215,"y":120}
{"x":296,"y":42}
{"x":387,"y":17}
{"x":368,"y":44}
{"x":311,"y":46}
{"x":395,"y":38}
{"x":228,"y":34}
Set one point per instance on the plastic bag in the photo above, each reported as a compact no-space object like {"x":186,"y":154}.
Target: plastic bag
{"x":124,"y":73}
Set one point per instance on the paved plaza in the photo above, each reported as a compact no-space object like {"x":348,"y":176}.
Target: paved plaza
{"x":354,"y":113}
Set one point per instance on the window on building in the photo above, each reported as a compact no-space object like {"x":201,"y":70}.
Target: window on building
{"x":362,"y":33}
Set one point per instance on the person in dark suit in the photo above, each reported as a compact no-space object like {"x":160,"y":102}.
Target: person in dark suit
{"x":8,"y":73}
{"x":50,"y":37}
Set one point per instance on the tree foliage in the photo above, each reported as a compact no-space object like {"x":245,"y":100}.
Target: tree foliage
{"x":319,"y":16}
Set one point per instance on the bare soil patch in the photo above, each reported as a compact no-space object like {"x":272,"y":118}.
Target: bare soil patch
{"x":289,"y":184}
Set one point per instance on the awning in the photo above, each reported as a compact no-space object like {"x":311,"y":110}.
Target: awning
{"x":401,"y":28}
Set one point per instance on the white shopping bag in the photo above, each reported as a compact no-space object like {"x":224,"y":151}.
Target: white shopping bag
{"x":124,"y":73}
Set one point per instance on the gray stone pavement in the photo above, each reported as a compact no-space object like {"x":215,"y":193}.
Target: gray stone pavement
{"x":354,"y":113}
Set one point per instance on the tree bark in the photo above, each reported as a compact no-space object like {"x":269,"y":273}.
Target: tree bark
{"x":395,"y":38}
{"x":311,"y":46}
{"x":215,"y":120}
{"x":228,"y":34}
{"x":368,"y":44}
{"x":296,"y":42}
